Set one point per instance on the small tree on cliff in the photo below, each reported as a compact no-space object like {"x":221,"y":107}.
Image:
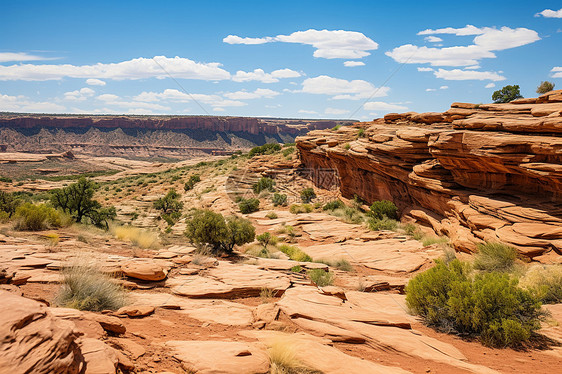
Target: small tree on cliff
{"x":507,"y":94}
{"x":545,"y":87}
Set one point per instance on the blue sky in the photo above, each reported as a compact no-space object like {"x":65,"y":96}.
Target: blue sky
{"x":297,"y":59}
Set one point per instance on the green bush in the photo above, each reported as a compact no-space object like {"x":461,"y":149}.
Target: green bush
{"x":545,"y":282}
{"x":279,"y":199}
{"x":349,"y":214}
{"x":295,"y":253}
{"x":288,"y":151}
{"x":495,"y":257}
{"x":272,"y":215}
{"x":385,"y":223}
{"x":300,"y":208}
{"x":489,"y":306}
{"x":191,"y":182}
{"x":170,"y":207}
{"x":206,"y":228}
{"x":332,"y":205}
{"x":8,"y":203}
{"x":307,"y":195}
{"x":321,"y":277}
{"x":264,"y":184}
{"x":249,"y":205}
{"x":38,"y":217}
{"x":507,"y":94}
{"x":265,"y":149}
{"x":384,"y":208}
{"x":264,"y":239}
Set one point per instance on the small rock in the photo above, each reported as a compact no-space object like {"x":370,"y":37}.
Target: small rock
{"x":135,"y":310}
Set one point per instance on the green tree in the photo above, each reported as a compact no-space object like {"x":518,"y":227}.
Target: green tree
{"x":169,"y":206}
{"x":77,"y":200}
{"x":279,"y":199}
{"x":307,"y":195}
{"x":545,"y":87}
{"x":383,"y":208}
{"x":248,"y":206}
{"x":507,"y":94}
{"x":206,"y":228}
{"x":8,"y":203}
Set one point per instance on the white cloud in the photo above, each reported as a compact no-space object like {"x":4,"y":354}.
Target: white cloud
{"x":21,"y":56}
{"x":382,"y":106}
{"x":138,"y":68}
{"x":490,"y":85}
{"x":219,"y":109}
{"x":461,"y":75}
{"x":328,"y":43}
{"x":79,"y":95}
{"x":173,"y":95}
{"x":351,"y":64}
{"x":557,"y":70}
{"x":95,"y":82}
{"x":107,"y":97}
{"x":304,"y":111}
{"x":549,"y":13}
{"x":335,"y":111}
{"x":257,"y":94}
{"x":433,"y":39}
{"x":472,"y":67}
{"x":488,"y":39}
{"x":430,"y":89}
{"x":425,"y":69}
{"x":341,"y":88}
{"x":262,"y":76}
{"x":22,"y":103}
{"x":443,"y":87}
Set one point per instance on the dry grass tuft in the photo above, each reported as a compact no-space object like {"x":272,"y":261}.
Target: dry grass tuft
{"x":283,"y":355}
{"x":141,"y":238}
{"x":545,"y":281}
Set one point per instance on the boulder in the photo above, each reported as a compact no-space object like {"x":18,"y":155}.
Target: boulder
{"x":144,"y":270}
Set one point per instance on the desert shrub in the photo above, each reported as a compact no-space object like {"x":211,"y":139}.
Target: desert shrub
{"x":429,"y":240}
{"x":545,"y":282}
{"x":295,"y":253}
{"x":321,"y":277}
{"x":361,"y":133}
{"x":76,"y":200}
{"x":336,"y":127}
{"x":264,"y":184}
{"x":495,"y":257}
{"x":307,"y":195}
{"x":191,"y":182}
{"x":6,"y":179}
{"x":545,"y":87}
{"x":384,"y":223}
{"x":85,"y":287}
{"x":332,"y":205}
{"x":341,"y":264}
{"x":283,"y":356}
{"x":489,"y":306}
{"x":347,"y":146}
{"x":265,"y":149}
{"x":264,"y":239}
{"x":383,"y":208}
{"x":272,"y":215}
{"x":8,"y":203}
{"x":349,"y":214}
{"x":170,"y":207}
{"x":296,"y":269}
{"x":208,"y":229}
{"x":288,"y":151}
{"x":249,"y":205}
{"x":279,"y":199}
{"x":139,"y":237}
{"x":33,"y":217}
{"x":507,"y":94}
{"x":300,"y":208}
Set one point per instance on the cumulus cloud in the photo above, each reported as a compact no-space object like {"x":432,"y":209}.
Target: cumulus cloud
{"x":304,"y":111}
{"x":487,"y":40}
{"x":22,"y":103}
{"x":490,"y":85}
{"x":95,"y":82}
{"x":425,"y":69}
{"x":328,"y":43}
{"x":107,"y":97}
{"x":350,"y":64}
{"x":382,"y":106}
{"x":557,"y":72}
{"x":341,"y":89}
{"x":138,"y":68}
{"x":433,"y":39}
{"x":335,"y":111}
{"x":257,"y":94}
{"x":430,"y":89}
{"x":549,"y":13}
{"x":173,"y":95}
{"x":79,"y":95}
{"x":461,"y":75}
{"x":21,"y":56}
{"x":262,"y":76}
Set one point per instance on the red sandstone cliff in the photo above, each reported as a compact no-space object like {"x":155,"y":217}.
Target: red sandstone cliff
{"x":475,"y":172}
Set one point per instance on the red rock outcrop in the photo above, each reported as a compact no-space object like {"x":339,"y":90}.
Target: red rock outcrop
{"x":476,"y":173}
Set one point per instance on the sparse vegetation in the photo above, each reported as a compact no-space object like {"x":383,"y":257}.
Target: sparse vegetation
{"x":545,"y":87}
{"x":545,"y":282}
{"x":248,"y":206}
{"x":300,"y":208}
{"x":385,"y":223}
{"x":321,"y":277}
{"x":8,"y":203}
{"x":265,"y":149}
{"x":307,"y":195}
{"x":495,"y":257}
{"x":191,"y":182}
{"x":295,"y":253}
{"x":507,"y":94}
{"x":332,"y":205}
{"x":279,"y":199}
{"x":340,"y":264}
{"x":170,"y":207}
{"x":140,"y":237}
{"x":33,"y":217}
{"x":283,"y":357}
{"x":272,"y":215}
{"x":383,"y":208}
{"x":264,"y":184}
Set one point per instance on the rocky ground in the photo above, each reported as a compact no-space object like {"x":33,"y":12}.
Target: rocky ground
{"x":188,"y":313}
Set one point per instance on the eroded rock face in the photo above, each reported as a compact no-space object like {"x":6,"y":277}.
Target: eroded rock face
{"x":475,"y":173}
{"x":32,"y":340}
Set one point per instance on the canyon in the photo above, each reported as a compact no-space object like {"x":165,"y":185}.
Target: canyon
{"x":475,"y":173}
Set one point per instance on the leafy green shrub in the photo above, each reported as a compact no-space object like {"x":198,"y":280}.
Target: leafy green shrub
{"x":264,"y":239}
{"x":295,"y":253}
{"x":507,"y":94}
{"x":249,"y":205}
{"x":545,"y":87}
{"x":288,"y":151}
{"x":321,"y":277}
{"x":495,"y":257}
{"x":490,"y":305}
{"x":8,"y":203}
{"x":545,"y":282}
{"x":347,"y":146}
{"x":300,"y":208}
{"x":336,"y":127}
{"x":332,"y":205}
{"x":265,"y":149}
{"x":349,"y":214}
{"x":86,"y":287}
{"x":279,"y":199}
{"x":170,"y":207}
{"x":6,"y":180}
{"x":361,"y":133}
{"x":272,"y":215}
{"x":33,"y":217}
{"x":384,"y":208}
{"x":191,"y":182}
{"x":264,"y":184}
{"x":384,"y":223}
{"x":307,"y":195}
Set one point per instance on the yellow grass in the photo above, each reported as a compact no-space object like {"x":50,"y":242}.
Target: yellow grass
{"x":141,"y":238}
